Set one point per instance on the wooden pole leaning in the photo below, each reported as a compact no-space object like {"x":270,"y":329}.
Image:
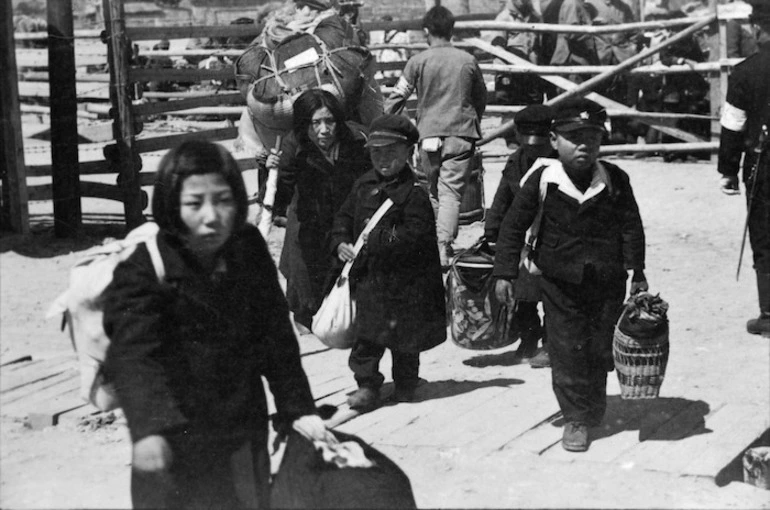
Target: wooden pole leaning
{"x":64,"y":121}
{"x":127,"y":161}
{"x":592,"y":83}
{"x":566,"y":84}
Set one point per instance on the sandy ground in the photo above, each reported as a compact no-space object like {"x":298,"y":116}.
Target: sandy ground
{"x":693,"y":235}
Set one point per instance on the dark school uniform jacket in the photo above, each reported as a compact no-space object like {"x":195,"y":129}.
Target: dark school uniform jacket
{"x":396,"y":279}
{"x":187,"y":355}
{"x":602,"y":228}
{"x":515,"y":168}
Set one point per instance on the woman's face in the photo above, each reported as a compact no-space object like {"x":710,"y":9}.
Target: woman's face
{"x":208,"y":210}
{"x":323,"y":128}
{"x":390,"y":159}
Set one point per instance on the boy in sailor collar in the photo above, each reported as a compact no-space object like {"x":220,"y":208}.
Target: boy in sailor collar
{"x":589,"y":237}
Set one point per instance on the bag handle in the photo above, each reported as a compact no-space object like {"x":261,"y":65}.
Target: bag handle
{"x":157,"y":260}
{"x":376,"y":217}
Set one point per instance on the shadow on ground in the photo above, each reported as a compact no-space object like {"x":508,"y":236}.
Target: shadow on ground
{"x":658,"y":419}
{"x":503,"y":359}
{"x":42,"y":242}
{"x":445,"y":389}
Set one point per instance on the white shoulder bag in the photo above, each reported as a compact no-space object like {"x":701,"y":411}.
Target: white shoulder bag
{"x":333,"y":322}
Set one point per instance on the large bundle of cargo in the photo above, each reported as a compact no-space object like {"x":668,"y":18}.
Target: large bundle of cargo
{"x":291,"y":57}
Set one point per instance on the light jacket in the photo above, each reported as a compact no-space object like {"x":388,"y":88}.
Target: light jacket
{"x":451,"y":93}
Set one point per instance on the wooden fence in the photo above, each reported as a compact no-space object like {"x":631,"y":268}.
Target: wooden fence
{"x":115,"y":94}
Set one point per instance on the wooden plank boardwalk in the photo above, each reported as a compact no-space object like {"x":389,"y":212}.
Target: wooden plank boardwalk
{"x":40,"y":390}
{"x":484,"y":428}
{"x":481,"y":404}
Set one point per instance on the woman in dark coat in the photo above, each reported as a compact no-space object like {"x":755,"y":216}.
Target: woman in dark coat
{"x":188,"y":353}
{"x":396,"y":279}
{"x":330,"y":157}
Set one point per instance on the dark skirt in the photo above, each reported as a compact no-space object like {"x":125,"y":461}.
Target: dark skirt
{"x":299,"y":292}
{"x":308,"y":268}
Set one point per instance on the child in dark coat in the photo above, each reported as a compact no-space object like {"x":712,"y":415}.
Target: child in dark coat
{"x":590,"y":236}
{"x":396,"y":279}
{"x":533,"y":125}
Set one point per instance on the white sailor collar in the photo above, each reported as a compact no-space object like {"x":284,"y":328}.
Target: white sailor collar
{"x":554,"y":173}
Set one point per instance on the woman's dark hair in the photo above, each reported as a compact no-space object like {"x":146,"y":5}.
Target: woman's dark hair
{"x":439,"y":22}
{"x":310,"y":102}
{"x":194,"y":157}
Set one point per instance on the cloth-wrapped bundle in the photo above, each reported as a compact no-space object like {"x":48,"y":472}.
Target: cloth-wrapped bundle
{"x":311,"y":478}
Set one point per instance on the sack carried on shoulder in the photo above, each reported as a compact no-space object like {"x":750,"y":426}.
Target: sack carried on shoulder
{"x":82,"y":308}
{"x":333,"y":322}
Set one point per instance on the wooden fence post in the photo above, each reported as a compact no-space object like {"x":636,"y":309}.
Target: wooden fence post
{"x":717,"y":84}
{"x":64,"y":123}
{"x":14,"y":200}
{"x":118,"y":55}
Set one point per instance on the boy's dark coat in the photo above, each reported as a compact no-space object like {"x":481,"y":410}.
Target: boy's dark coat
{"x":396,"y":279}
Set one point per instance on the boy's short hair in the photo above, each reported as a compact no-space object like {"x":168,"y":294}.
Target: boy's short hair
{"x":439,"y":21}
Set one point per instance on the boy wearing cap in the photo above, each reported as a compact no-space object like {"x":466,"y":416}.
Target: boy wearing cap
{"x":451,"y":98}
{"x":590,"y":235}
{"x":532,"y":128}
{"x":396,"y":279}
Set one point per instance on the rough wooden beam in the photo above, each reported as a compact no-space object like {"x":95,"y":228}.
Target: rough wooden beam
{"x":119,"y":54}
{"x":14,"y":201}
{"x":567,"y":85}
{"x":64,"y":119}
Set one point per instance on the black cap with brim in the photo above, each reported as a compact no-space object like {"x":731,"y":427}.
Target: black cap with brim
{"x":385,"y":138}
{"x":579,"y":113}
{"x":534,"y":123}
{"x":566,"y":127}
{"x":319,"y":5}
{"x":389,"y":129}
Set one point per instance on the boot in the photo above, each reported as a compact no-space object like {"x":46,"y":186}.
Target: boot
{"x":541,"y":359}
{"x":575,"y":437}
{"x":364,"y":399}
{"x":761,"y":325}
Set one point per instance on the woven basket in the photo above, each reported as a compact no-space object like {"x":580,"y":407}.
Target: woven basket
{"x":640,"y":364}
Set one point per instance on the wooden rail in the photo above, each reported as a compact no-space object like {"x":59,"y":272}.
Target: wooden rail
{"x":127,"y":112}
